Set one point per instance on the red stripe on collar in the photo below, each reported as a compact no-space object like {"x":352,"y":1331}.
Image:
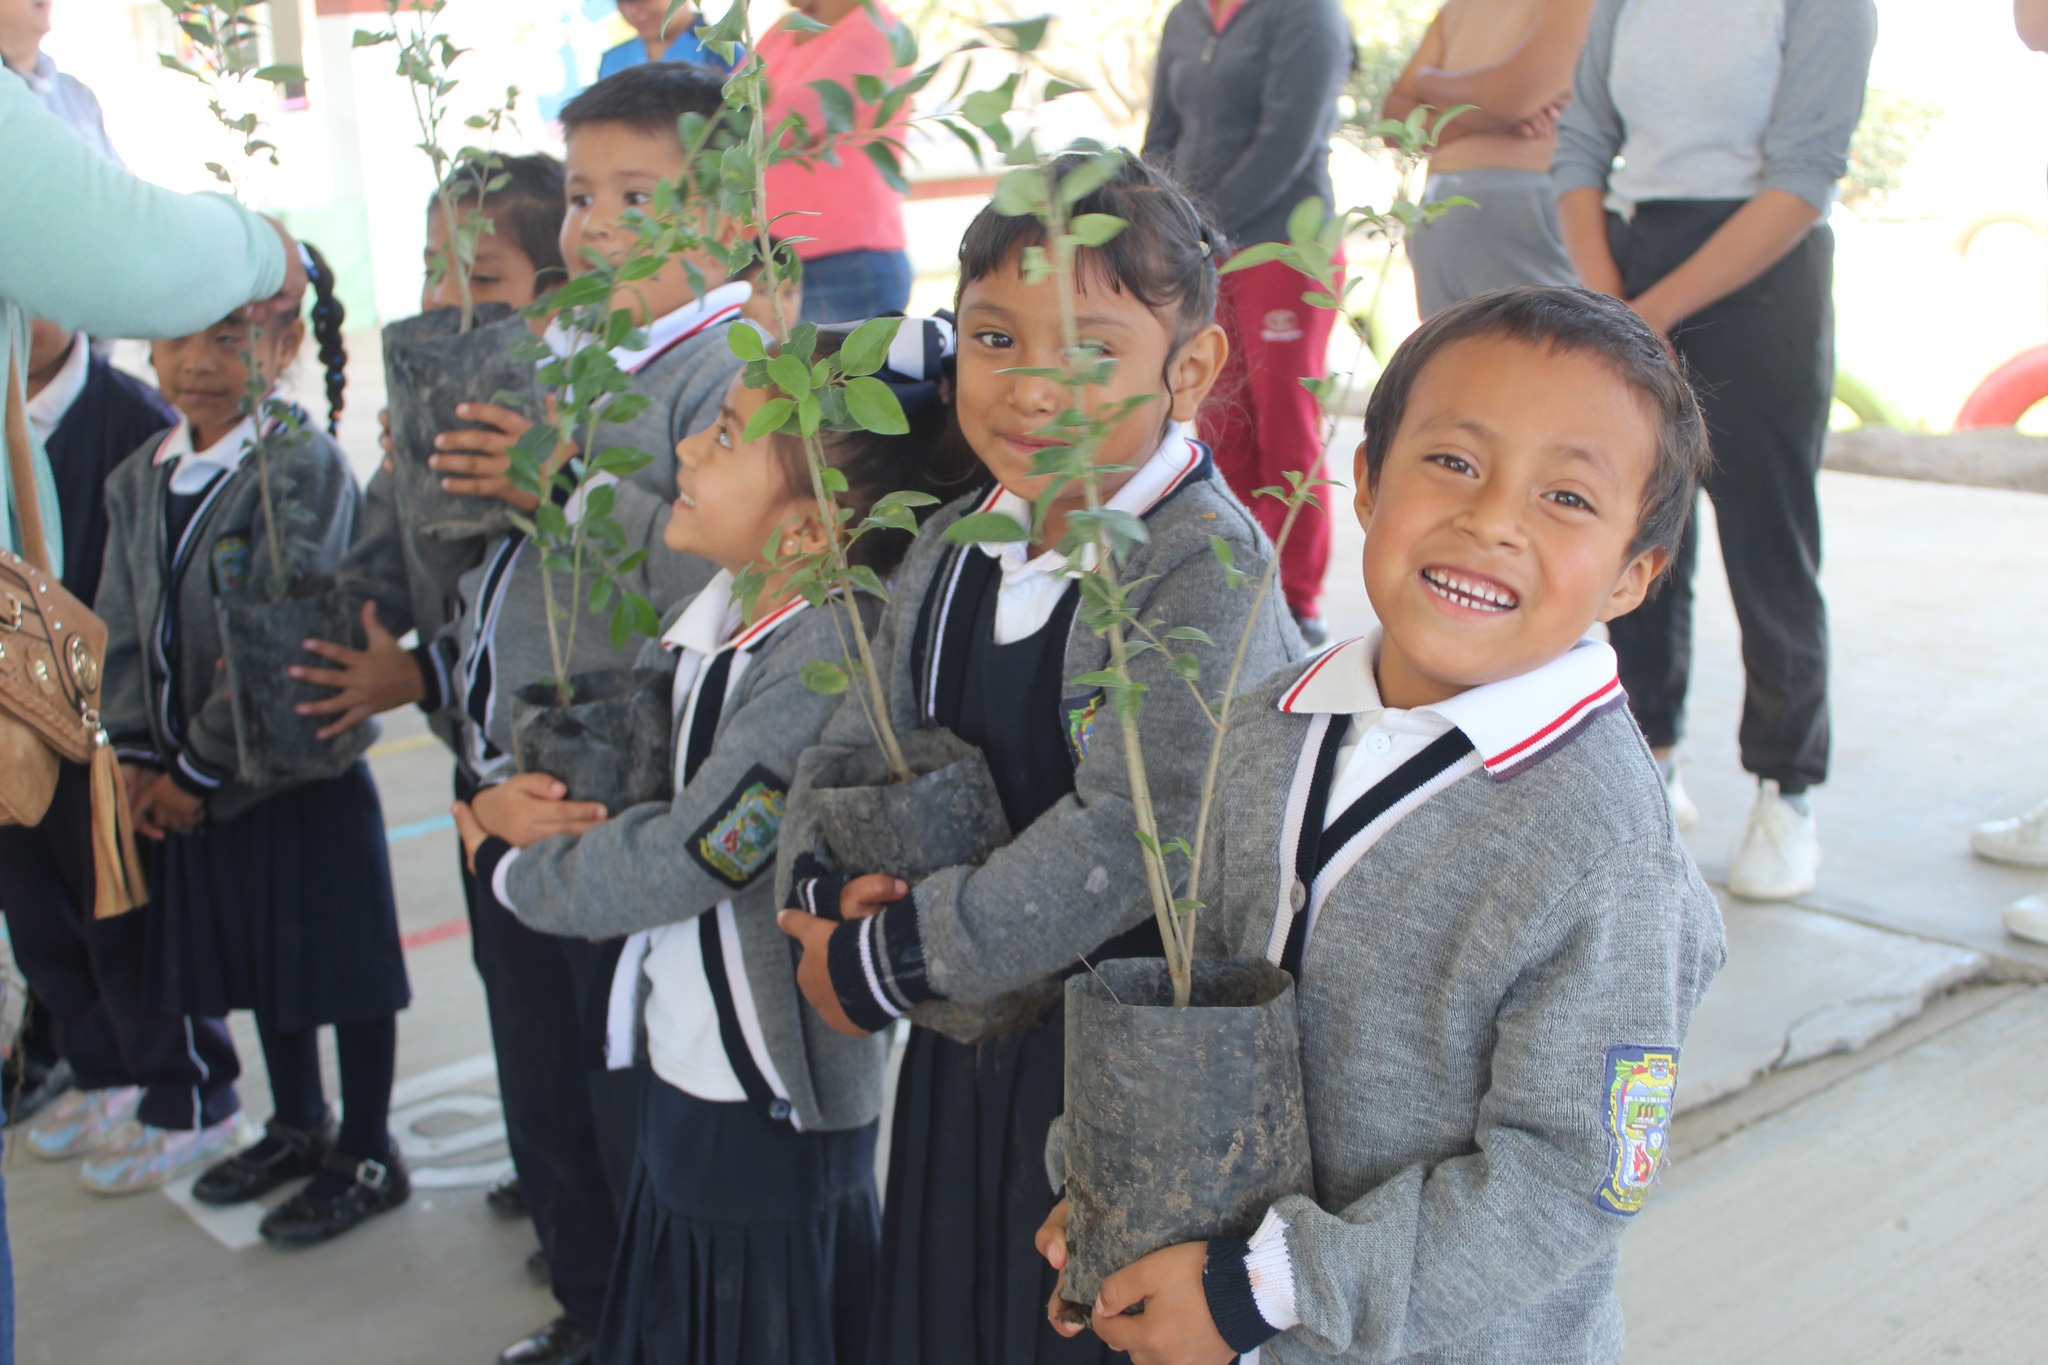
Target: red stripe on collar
{"x":725,"y":314}
{"x":1293,"y":694}
{"x":1196,"y":452}
{"x":1579,"y":710}
{"x":753,"y":634}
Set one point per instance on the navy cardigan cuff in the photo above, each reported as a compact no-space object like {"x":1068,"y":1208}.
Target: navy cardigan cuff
{"x":1227,"y":1285}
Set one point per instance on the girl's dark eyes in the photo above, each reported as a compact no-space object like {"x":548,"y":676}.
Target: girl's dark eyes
{"x":1572,"y":500}
{"x":635,"y":198}
{"x":580,"y":201}
{"x":724,"y":436}
{"x":1456,"y":464}
{"x":999,"y":341}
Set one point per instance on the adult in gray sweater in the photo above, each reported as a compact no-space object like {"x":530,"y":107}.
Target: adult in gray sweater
{"x":1694,"y":167}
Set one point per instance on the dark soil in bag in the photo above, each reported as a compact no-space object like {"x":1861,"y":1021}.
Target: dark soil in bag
{"x":429,"y":367}
{"x":1181,"y":1125}
{"x":611,"y":744}
{"x":259,"y":640}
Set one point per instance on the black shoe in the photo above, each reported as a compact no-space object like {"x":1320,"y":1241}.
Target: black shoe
{"x":38,"y":1086}
{"x":561,"y":1342}
{"x":285,"y":1154}
{"x":307,"y":1218}
{"x":537,"y":1267}
{"x":506,"y":1196}
{"x":1315,"y":631}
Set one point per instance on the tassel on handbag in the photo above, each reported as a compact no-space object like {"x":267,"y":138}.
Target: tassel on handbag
{"x":51,"y":652}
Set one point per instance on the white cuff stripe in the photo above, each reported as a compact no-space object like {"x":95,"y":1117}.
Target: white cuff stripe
{"x":500,"y":885}
{"x":206,"y":780}
{"x":868,"y":965}
{"x":1271,"y":1270}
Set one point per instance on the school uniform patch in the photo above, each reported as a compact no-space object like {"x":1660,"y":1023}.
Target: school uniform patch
{"x":230,"y":563}
{"x":1641,"y":1084}
{"x":1081,"y":712}
{"x":735,"y":844}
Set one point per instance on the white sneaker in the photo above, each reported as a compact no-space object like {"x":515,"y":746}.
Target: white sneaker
{"x":1779,"y":856}
{"x":1684,"y":813}
{"x":160,"y":1156}
{"x":82,"y":1121}
{"x":2021,"y":841}
{"x":2027,"y":918}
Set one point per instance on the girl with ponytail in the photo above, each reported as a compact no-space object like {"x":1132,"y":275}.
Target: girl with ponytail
{"x":272,"y":897}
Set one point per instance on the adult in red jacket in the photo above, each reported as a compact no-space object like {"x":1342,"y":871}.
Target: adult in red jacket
{"x":1244,"y":101}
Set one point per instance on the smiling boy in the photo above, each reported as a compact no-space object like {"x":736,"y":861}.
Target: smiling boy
{"x":1452,"y":834}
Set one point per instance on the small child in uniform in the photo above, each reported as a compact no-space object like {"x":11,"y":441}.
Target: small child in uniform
{"x":275,"y":899}
{"x":751,"y":1225}
{"x":984,"y":640}
{"x":1451,"y":832}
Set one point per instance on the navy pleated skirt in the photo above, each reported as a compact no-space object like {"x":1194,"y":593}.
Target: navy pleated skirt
{"x":286,"y":910}
{"x":744,"y":1242}
{"x":962,"y":1282}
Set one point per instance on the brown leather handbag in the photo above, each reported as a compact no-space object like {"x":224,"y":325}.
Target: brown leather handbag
{"x":51,"y":651}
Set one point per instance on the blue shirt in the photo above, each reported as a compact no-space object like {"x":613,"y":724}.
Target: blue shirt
{"x":684,"y":47}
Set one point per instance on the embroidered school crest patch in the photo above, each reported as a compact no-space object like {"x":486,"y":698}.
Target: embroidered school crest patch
{"x":230,"y":564}
{"x":735,"y":844}
{"x":1641,"y":1083}
{"x":1082,"y":713}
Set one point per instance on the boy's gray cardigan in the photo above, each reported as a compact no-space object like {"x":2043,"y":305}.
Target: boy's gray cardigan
{"x":686,"y":383}
{"x":1464,"y":997}
{"x":224,"y":543}
{"x":641,"y":869}
{"x":1075,"y":878}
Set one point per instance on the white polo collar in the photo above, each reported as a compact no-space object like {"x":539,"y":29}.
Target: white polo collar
{"x":1170,"y":466}
{"x":196,"y":467}
{"x":713,"y":621}
{"x":47,"y":408}
{"x":1511,"y":723}
{"x":722,"y":304}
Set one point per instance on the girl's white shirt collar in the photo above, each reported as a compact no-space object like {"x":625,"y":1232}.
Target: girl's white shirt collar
{"x":1033,"y":585}
{"x":47,"y":409}
{"x":196,"y":467}
{"x":716,"y":306}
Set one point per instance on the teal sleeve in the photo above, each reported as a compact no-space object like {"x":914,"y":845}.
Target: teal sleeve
{"x":97,"y":248}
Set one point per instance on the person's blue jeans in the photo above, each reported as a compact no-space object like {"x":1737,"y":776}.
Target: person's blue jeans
{"x":850,"y":285}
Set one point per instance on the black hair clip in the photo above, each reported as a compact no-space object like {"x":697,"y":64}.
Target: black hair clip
{"x":920,"y":359}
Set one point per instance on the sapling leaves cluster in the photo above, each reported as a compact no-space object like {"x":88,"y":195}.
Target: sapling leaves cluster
{"x":426,"y":59}
{"x":226,"y":39}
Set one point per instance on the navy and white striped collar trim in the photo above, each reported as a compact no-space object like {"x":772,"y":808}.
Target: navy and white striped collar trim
{"x":666,"y":332}
{"x":1513,"y":723}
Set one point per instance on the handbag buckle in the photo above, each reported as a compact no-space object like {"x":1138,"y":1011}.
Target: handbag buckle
{"x":11,"y":613}
{"x":85,"y":670}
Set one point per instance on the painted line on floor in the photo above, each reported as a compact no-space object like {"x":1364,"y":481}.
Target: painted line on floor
{"x":413,"y":829}
{"x":391,"y":748}
{"x":434,"y":933}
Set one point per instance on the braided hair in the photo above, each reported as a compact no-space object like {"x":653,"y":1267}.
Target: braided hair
{"x":328,"y":315}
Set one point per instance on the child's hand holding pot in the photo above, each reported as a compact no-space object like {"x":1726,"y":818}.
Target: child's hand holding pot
{"x":529,"y":807}
{"x":479,"y":462}
{"x":168,"y":808}
{"x":379,"y":677}
{"x":858,"y":899}
{"x":1172,"y":1326}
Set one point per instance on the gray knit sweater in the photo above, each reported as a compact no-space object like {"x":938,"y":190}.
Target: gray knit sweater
{"x":686,"y":384}
{"x":1470,"y":988}
{"x":158,"y":603}
{"x":1074,"y":879}
{"x":644,"y":868}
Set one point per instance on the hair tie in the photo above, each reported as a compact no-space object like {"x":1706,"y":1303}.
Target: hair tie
{"x":919,"y":358}
{"x":306,"y":260}
{"x":1204,"y":244}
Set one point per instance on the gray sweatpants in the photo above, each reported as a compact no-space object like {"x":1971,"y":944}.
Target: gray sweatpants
{"x":1510,"y":238}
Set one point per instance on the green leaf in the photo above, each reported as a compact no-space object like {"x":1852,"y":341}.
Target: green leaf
{"x":1102,"y":677}
{"x":1090,"y":176}
{"x":837,"y":102}
{"x":833,"y":479}
{"x":625,"y":407}
{"x":873,"y":404}
{"x":826,"y":678}
{"x":1200,"y":637}
{"x":867,"y":580}
{"x":1258,"y":253}
{"x":885,"y":161}
{"x":746,"y":343}
{"x":1055,"y":87}
{"x":1022,"y":193}
{"x":986,"y":528}
{"x":868,"y":345}
{"x":771,"y":416}
{"x":1188,"y":666}
{"x":1306,"y":221}
{"x":1094,"y":229}
{"x":790,"y":374}
{"x":365,"y":38}
{"x":1024,"y":35}
{"x":281,"y":74}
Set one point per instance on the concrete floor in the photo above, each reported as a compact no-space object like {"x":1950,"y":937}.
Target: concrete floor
{"x":1874,"y":1205}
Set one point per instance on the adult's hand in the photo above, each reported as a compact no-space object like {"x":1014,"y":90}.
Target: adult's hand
{"x":286,"y":301}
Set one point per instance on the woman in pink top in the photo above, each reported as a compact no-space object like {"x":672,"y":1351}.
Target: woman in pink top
{"x":854,"y":262}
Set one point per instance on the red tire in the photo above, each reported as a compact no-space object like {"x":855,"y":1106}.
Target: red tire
{"x":2007,"y":392}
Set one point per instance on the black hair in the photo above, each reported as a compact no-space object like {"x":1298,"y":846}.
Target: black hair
{"x":1559,"y":318}
{"x":1166,"y":255}
{"x":932,"y":457}
{"x":526,"y":209}
{"x":328,"y":315}
{"x":650,"y":97}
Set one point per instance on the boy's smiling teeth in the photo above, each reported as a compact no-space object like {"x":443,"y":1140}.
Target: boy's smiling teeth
{"x":1476,"y":593}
